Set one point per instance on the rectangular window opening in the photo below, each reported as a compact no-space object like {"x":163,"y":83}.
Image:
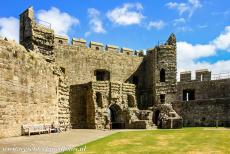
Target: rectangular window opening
{"x":188,"y":94}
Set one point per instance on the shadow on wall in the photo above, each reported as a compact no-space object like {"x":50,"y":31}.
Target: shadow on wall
{"x":143,"y":83}
{"x":82,"y":113}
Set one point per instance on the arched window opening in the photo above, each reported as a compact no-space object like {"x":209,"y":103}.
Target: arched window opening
{"x":131,"y":101}
{"x":162,"y":75}
{"x":97,"y":48}
{"x":99,"y":99}
{"x":60,"y":41}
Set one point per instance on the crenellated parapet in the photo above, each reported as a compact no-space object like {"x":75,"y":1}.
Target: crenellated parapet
{"x":38,"y":36}
{"x":203,"y":75}
{"x":96,"y":46}
{"x":62,"y":40}
{"x":185,"y":76}
{"x":112,"y":48}
{"x":200,"y":75}
{"x":79,"y":42}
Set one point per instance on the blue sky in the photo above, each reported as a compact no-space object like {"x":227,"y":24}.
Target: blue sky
{"x":201,"y":26}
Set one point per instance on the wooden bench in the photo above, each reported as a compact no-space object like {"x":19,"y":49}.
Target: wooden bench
{"x":35,"y":128}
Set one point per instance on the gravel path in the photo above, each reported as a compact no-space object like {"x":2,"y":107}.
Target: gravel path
{"x":51,"y":143}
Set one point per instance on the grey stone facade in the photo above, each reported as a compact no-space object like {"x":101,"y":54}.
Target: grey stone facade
{"x":202,"y":101}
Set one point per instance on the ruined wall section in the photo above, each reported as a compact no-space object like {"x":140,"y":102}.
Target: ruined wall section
{"x":211,"y":89}
{"x":101,"y":88}
{"x":100,"y":96}
{"x":211,"y":102}
{"x":81,"y":62}
{"x":28,"y":89}
{"x":63,"y":99}
{"x":207,"y":112}
{"x":36,"y":36}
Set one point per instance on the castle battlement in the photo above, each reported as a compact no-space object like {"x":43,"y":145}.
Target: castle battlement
{"x":43,"y":39}
{"x":97,"y":46}
{"x":200,"y":75}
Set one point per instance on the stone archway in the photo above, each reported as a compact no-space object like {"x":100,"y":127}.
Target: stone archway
{"x":116,"y":117}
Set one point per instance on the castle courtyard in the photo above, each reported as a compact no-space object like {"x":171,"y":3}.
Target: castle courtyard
{"x":100,"y":77}
{"x":187,"y":140}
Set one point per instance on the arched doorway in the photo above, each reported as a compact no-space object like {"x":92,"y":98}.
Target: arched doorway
{"x":116,"y":117}
{"x":156,"y":117}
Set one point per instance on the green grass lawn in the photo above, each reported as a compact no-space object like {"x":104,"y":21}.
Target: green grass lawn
{"x":186,"y":140}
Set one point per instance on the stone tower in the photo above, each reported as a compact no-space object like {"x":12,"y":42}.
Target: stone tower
{"x":165,"y":71}
{"x":35,"y":36}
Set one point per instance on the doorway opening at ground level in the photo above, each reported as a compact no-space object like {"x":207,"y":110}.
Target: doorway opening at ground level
{"x":156,"y":117}
{"x":116,"y":117}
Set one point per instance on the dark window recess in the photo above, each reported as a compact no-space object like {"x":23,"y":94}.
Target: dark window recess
{"x":97,"y":48}
{"x":102,"y":75}
{"x":156,"y":117}
{"x":60,"y":41}
{"x":162,"y":75}
{"x":99,"y":99}
{"x":188,"y":94}
{"x":162,"y":98}
{"x":62,"y":69}
{"x":135,"y":80}
{"x":131,"y":101}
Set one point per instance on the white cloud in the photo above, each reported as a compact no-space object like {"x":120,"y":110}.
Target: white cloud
{"x":156,"y":24}
{"x":188,"y":51}
{"x":190,"y":7}
{"x":96,"y":24}
{"x":128,"y":14}
{"x":223,"y":41}
{"x":188,"y":54}
{"x":61,"y":22}
{"x":178,"y":21}
{"x":9,"y":28}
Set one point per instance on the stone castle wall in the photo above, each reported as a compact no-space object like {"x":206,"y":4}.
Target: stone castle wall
{"x":210,"y":89}
{"x":93,"y":101}
{"x":28,"y":90}
{"x":80,"y":63}
{"x":211,"y":102}
{"x":54,"y":81}
{"x":207,"y":112}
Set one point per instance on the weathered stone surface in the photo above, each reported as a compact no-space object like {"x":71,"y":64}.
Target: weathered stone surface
{"x":52,"y":81}
{"x":211,"y":103}
{"x":28,"y":89}
{"x":89,"y":111}
{"x":35,"y":35}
